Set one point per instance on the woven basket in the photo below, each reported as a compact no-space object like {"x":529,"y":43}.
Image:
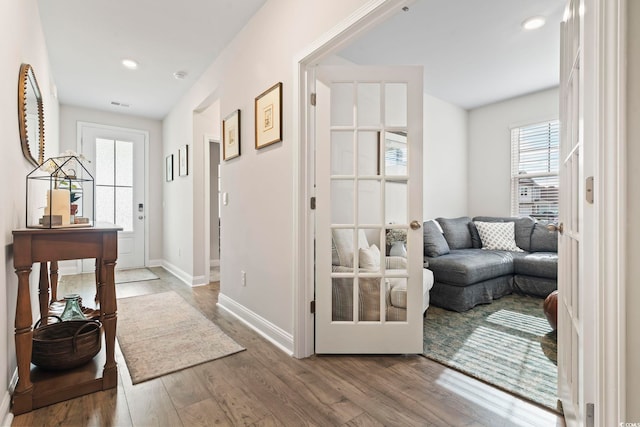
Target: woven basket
{"x":65,"y":345}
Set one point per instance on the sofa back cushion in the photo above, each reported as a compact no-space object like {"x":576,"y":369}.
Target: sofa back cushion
{"x":543,"y":239}
{"x":523,"y":228}
{"x":434,"y":241}
{"x":499,"y":236}
{"x":456,"y":232}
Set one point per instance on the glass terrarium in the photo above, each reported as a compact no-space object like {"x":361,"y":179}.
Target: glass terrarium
{"x":60,"y":193}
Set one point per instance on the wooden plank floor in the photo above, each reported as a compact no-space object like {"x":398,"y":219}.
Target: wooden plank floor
{"x":262,"y":386}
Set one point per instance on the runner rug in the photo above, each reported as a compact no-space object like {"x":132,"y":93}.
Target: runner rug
{"x":507,"y":343}
{"x":162,"y":333}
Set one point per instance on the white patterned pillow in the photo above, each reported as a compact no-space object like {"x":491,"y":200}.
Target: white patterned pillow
{"x":370,"y":258}
{"x":498,"y":236}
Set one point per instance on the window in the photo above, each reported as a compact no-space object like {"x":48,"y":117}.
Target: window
{"x":534,"y":170}
{"x":114,"y":182}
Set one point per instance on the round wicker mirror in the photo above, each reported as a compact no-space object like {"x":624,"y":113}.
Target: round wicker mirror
{"x":30,"y":116}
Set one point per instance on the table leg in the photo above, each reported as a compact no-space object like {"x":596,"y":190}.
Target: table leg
{"x":43,"y":290}
{"x":106,"y":290}
{"x":22,"y":396}
{"x":53,"y":268}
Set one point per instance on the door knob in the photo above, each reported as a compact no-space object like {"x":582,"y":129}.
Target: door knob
{"x":140,"y":217}
{"x":558,"y":228}
{"x":415,"y":225}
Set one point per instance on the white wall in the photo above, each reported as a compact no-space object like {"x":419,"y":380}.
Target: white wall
{"x":257,"y":232}
{"x":633,"y":215}
{"x":21,"y":41}
{"x":489,"y":188}
{"x":71,"y":115}
{"x":445,"y":159}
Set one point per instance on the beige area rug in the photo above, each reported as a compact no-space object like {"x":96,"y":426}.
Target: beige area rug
{"x":134,"y":275}
{"x":162,"y":333}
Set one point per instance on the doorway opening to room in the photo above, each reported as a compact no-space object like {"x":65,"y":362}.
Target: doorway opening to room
{"x":215,"y":199}
{"x":446,"y":159}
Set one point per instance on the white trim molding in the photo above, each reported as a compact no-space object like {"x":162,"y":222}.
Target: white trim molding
{"x":611,"y":51}
{"x":274,"y":334}
{"x":183,"y":275}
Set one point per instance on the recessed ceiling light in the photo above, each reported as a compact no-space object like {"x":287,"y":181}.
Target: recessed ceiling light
{"x":180,"y":75}
{"x":130,"y":64}
{"x":533,"y":23}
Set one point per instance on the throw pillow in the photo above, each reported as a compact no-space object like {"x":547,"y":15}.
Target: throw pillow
{"x":499,"y":236}
{"x":456,"y":232}
{"x":369,"y":258}
{"x":434,"y":242}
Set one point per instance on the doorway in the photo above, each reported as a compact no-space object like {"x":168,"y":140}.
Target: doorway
{"x":214,"y":210}
{"x":117,"y":161}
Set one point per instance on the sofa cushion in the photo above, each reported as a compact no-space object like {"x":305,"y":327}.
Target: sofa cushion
{"x":543,"y":239}
{"x":434,"y":241}
{"x":537,"y":286}
{"x":538,"y":264}
{"x":523,"y":228}
{"x":468,"y":266}
{"x":456,"y":232}
{"x":497,"y":236}
{"x":369,"y":258}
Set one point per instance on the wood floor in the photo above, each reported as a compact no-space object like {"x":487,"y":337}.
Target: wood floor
{"x":262,"y":386}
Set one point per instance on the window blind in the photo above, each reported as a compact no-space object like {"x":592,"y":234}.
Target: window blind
{"x":535,"y":159}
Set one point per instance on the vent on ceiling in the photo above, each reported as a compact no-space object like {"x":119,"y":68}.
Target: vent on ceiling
{"x":120,"y":104}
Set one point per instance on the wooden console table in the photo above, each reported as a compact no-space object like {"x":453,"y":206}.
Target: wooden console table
{"x":37,"y":387}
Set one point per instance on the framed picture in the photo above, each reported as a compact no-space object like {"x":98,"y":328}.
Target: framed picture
{"x":183,"y":160}
{"x":169,"y":167}
{"x":231,"y":136}
{"x":268,"y":110}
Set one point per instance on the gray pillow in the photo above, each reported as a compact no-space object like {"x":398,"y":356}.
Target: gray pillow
{"x":434,"y":242}
{"x":476,"y":242}
{"x":543,"y":239}
{"x":456,"y":232}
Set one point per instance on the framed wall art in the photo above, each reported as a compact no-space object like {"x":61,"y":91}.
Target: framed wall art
{"x":231,"y":136}
{"x":183,"y":160}
{"x":268,"y":111}
{"x":169,"y":167}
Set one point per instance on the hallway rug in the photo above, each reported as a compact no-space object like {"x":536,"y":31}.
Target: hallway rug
{"x":134,"y":275}
{"x":162,"y":333}
{"x":508,"y":344}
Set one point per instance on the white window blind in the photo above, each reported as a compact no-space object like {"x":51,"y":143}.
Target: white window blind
{"x":534,"y":170}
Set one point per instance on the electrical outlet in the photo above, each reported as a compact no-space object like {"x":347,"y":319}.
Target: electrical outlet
{"x":243,"y":278}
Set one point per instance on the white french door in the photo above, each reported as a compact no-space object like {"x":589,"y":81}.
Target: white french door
{"x":576,"y":313}
{"x":117,"y":163}
{"x":368,"y":185}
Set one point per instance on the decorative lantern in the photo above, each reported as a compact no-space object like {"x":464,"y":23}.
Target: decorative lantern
{"x":60,"y":193}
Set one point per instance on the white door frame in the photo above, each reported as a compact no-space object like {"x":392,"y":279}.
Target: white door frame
{"x":369,"y":15}
{"x":206,"y":141}
{"x":80,"y":125}
{"x":605,"y":130}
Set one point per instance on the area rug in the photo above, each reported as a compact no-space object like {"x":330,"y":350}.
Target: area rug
{"x":507,"y":343}
{"x":134,"y":275}
{"x":162,"y":333}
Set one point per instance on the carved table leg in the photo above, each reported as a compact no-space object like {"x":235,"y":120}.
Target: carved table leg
{"x":44,"y":292}
{"x":107,"y":295}
{"x":54,"y":280}
{"x":22,"y":396}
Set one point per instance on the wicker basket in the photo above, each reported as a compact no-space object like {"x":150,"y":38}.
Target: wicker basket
{"x":65,"y":345}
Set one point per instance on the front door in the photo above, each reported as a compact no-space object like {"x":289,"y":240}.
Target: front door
{"x":369,"y":210}
{"x":117,"y":163}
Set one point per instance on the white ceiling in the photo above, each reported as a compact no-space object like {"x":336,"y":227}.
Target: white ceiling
{"x":87,"y":39}
{"x":474,"y":51}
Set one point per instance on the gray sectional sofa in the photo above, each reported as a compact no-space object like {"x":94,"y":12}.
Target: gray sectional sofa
{"x":466,"y":275}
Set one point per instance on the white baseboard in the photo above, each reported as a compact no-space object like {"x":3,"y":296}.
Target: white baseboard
{"x":5,"y":409}
{"x":183,"y":275}
{"x":278,"y":337}
{"x":154,"y":263}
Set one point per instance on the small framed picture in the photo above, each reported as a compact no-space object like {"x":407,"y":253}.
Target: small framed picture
{"x":183,"y":160}
{"x":268,"y":112}
{"x":231,"y":136}
{"x":169,"y":167}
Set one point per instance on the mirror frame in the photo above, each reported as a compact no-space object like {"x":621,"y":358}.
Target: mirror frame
{"x":28,"y":77}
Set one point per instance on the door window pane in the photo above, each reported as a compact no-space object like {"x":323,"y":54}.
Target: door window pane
{"x":105,"y":204}
{"x":342,"y":201}
{"x":124,"y":163}
{"x":342,"y":104}
{"x":341,"y":153}
{"x":342,"y":299}
{"x":396,"y":104}
{"x":124,"y":207}
{"x":369,"y":104}
{"x":396,"y":202}
{"x":395,"y":154}
{"x":368,"y":154}
{"x":105,"y":166}
{"x":369,"y":210}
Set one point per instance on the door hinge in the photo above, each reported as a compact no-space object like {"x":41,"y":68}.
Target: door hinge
{"x":312,"y":306}
{"x":590,"y":416}
{"x":589,"y":190}
{"x":313,"y":203}
{"x":313,"y":99}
